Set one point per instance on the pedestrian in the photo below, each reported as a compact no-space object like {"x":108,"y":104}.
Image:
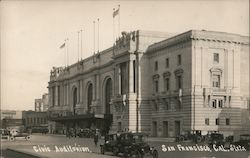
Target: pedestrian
{"x":96,"y":139}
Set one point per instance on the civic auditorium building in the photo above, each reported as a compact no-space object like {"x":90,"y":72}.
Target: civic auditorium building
{"x":158,"y":83}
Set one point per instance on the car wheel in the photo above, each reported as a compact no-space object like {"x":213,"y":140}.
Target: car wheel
{"x":199,"y":139}
{"x":155,"y":154}
{"x":102,"y":150}
{"x":181,"y":139}
{"x":12,"y":138}
{"x":137,"y":154}
{"x":115,"y":151}
{"x":27,"y":138}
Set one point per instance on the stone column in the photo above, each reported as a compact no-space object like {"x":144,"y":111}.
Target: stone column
{"x":119,"y":79}
{"x":68,"y":94}
{"x":50,"y":97}
{"x":56,"y":96}
{"x":131,"y":76}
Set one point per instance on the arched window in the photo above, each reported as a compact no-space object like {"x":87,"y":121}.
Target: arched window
{"x":108,"y":95}
{"x":90,"y":96}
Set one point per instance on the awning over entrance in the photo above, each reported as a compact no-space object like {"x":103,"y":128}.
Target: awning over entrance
{"x":81,"y":117}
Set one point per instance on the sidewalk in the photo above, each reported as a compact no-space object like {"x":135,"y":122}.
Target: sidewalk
{"x":161,"y":139}
{"x":53,"y":154}
{"x":151,"y":139}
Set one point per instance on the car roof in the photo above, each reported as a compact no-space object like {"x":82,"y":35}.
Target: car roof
{"x":247,"y":135}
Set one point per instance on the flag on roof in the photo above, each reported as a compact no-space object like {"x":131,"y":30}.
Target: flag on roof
{"x":116,"y":12}
{"x":63,"y":45}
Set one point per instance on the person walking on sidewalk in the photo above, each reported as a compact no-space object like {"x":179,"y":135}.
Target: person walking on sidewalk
{"x":96,"y":139}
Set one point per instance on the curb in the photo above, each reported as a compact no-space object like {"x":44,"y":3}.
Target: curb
{"x":27,"y":153}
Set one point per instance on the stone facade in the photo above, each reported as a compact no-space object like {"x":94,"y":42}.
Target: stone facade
{"x":33,"y":119}
{"x":157,"y":83}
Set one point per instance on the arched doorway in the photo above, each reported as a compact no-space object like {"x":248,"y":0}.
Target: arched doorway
{"x":108,"y":95}
{"x":74,"y":100}
{"x":90,"y":96}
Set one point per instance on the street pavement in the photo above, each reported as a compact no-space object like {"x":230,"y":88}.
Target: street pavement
{"x":48,"y":146}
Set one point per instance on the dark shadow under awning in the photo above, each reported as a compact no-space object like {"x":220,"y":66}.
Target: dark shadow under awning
{"x":81,"y":117}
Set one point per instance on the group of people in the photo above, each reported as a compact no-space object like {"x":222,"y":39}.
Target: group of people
{"x":71,"y":132}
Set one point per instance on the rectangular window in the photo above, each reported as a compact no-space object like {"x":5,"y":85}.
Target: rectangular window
{"x":167,"y":84}
{"x":229,"y":100}
{"x":216,"y":57}
{"x":214,"y":103}
{"x":156,"y":65}
{"x":216,"y":81}
{"x":179,"y":59}
{"x":167,"y":105}
{"x":156,"y":86}
{"x":227,"y":121}
{"x":167,"y":63}
{"x":217,"y":121}
{"x":179,"y":82}
{"x":155,"y":106}
{"x":178,"y":106}
{"x":58,"y":94}
{"x":220,"y":103}
{"x":124,"y":78}
{"x":206,"y":121}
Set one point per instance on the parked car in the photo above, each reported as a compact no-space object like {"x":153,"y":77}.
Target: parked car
{"x":4,"y":133}
{"x":129,"y":144}
{"x":16,"y":133}
{"x":86,"y":133}
{"x":193,"y":135}
{"x":244,"y":141}
{"x":216,"y":138}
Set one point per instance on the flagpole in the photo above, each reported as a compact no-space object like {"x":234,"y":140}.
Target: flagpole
{"x":98,"y":35}
{"x":67,"y":52}
{"x":81,"y":44}
{"x":94,"y":37}
{"x":113,"y":27}
{"x":78,"y":45}
{"x":119,"y":21}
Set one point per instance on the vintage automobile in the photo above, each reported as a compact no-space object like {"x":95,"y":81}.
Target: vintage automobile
{"x":193,"y":135}
{"x":86,"y":133}
{"x":4,"y":133}
{"x":215,"y":139}
{"x":244,"y":141}
{"x":16,"y":133}
{"x":129,"y":144}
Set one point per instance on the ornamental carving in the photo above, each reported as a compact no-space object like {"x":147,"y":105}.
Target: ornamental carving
{"x":166,"y":74}
{"x":178,"y":72}
{"x":156,"y":76}
{"x":216,"y":71}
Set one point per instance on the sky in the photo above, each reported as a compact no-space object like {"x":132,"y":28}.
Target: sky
{"x":32,"y":32}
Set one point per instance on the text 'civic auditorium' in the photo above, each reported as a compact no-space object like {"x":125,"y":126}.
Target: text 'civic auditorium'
{"x":159,"y":83}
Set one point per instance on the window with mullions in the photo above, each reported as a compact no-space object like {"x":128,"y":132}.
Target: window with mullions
{"x":216,"y":57}
{"x":214,"y":103}
{"x":217,"y":121}
{"x":220,"y":102}
{"x":206,"y":121}
{"x":227,"y":121}
{"x":216,"y":81}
